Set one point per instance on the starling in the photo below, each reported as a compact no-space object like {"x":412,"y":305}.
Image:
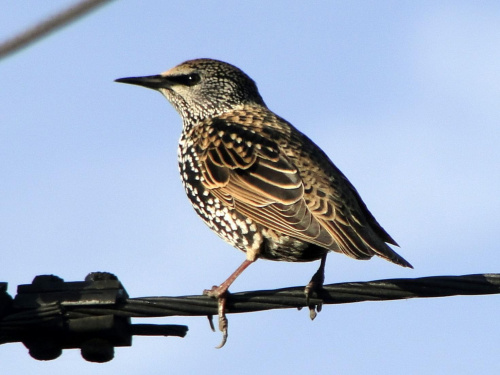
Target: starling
{"x":257,"y":181}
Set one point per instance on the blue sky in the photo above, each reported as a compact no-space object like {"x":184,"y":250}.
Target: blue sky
{"x":402,"y":95}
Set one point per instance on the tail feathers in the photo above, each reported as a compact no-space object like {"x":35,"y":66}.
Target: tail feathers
{"x":390,"y":255}
{"x":363,"y":242}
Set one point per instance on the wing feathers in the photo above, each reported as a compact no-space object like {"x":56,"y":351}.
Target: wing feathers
{"x":250,"y":173}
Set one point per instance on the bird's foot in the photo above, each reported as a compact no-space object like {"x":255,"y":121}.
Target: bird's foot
{"x":215,"y":291}
{"x":221,"y":296}
{"x":314,"y":287}
{"x":220,"y":292}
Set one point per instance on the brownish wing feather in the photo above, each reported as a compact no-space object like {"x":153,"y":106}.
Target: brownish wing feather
{"x":249,"y":172}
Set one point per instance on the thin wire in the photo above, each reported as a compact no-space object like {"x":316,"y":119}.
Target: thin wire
{"x":45,"y":27}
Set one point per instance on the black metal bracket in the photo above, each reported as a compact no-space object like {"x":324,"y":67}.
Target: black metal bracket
{"x":44,"y":316}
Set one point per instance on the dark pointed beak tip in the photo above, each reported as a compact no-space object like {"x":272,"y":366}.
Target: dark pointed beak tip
{"x":151,"y":82}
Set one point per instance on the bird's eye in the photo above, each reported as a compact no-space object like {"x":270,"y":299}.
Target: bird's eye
{"x":186,"y":79}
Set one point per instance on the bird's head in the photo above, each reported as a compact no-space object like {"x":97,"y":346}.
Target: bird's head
{"x":202,"y":88}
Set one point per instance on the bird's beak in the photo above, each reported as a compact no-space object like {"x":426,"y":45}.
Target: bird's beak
{"x":152,"y":82}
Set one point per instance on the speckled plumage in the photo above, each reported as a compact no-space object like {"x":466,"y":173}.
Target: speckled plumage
{"x":257,"y":181}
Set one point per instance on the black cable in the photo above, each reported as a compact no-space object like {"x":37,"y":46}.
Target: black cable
{"x":50,"y":315}
{"x":379,"y":290}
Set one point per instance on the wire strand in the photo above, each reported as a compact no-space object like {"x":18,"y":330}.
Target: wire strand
{"x":45,"y":27}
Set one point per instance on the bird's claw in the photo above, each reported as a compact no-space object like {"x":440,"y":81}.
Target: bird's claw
{"x":315,"y":286}
{"x":213,"y":292}
{"x":221,"y":310}
{"x":314,"y":310}
{"x":211,"y":322}
{"x":223,"y":323}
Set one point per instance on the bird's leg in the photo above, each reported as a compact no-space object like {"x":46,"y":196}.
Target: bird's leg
{"x":220,"y":292}
{"x":315,"y":286}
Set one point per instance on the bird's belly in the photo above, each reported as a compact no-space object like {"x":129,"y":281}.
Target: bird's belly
{"x":231,"y":226}
{"x":281,"y":247}
{"x":244,"y":233}
{"x":240,"y":231}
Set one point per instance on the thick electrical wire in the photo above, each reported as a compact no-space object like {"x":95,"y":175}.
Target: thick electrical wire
{"x":379,"y":290}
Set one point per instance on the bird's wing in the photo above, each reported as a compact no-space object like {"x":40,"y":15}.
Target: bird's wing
{"x":305,"y":197}
{"x":250,"y":173}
